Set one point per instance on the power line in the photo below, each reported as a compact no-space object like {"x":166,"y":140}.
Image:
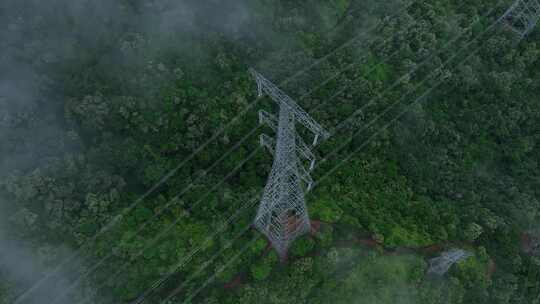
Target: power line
{"x":264,"y":117}
{"x":263,"y":138}
{"x":179,"y":265}
{"x":171,"y":201}
{"x":341,"y":125}
{"x":222,"y":268}
{"x":124,"y":212}
{"x":333,"y":169}
{"x":425,"y":94}
{"x":393,"y":120}
{"x":206,"y":264}
{"x":362,"y":146}
{"x":160,"y":282}
{"x":253,"y":130}
{"x":164,"y":231}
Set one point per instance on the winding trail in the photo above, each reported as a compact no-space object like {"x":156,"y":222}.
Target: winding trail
{"x":368,"y":242}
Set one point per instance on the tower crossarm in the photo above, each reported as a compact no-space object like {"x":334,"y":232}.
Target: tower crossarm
{"x":264,"y":85}
{"x":267,"y":142}
{"x":268,"y":119}
{"x":305,"y":176}
{"x":302,"y":147}
{"x":305,"y":151}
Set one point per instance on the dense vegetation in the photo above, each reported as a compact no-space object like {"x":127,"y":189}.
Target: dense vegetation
{"x":100,"y":100}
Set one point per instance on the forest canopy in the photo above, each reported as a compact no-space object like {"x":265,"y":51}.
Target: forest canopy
{"x":131,"y":169}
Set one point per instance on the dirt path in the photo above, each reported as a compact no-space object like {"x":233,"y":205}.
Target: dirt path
{"x":369,"y":243}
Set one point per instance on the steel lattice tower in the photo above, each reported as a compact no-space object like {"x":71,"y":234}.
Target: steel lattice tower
{"x":522,"y":16}
{"x":441,"y":264}
{"x":282,"y":215}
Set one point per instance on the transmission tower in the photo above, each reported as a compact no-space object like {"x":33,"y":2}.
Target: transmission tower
{"x":522,"y":16}
{"x":282,"y":215}
{"x":441,"y":264}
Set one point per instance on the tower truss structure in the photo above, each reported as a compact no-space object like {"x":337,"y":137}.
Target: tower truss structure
{"x":522,"y":16}
{"x":441,"y":264}
{"x":282,"y":215}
